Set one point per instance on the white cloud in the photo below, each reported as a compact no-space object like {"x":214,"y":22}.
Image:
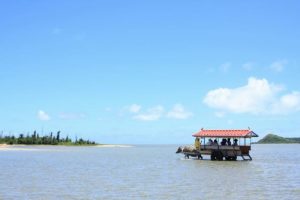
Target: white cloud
{"x":152,"y":114}
{"x":70,"y":116}
{"x":134,"y":108}
{"x":131,"y":109}
{"x":250,"y":98}
{"x":279,"y":65}
{"x":179,"y":112}
{"x":225,"y":67}
{"x":257,"y":97}
{"x":287,"y":103}
{"x":43,"y":116}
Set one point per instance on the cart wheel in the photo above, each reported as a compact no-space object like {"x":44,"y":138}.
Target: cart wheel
{"x":220,"y":157}
{"x":213,"y":156}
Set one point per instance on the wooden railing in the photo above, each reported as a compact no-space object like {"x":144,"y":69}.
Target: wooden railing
{"x":243,"y":149}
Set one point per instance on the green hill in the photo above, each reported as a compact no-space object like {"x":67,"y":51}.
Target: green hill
{"x":275,"y":139}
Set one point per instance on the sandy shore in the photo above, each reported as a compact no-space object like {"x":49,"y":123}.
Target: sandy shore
{"x":3,"y":145}
{"x":6,"y":147}
{"x":22,"y":147}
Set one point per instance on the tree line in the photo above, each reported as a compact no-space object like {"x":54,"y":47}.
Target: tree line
{"x":35,"y":138}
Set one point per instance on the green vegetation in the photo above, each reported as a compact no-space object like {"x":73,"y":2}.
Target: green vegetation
{"x":36,"y":139}
{"x":295,"y":140}
{"x":275,"y":139}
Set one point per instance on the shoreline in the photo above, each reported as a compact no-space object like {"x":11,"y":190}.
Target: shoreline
{"x":12,"y":146}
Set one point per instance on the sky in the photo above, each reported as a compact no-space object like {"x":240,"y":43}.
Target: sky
{"x":149,"y":72}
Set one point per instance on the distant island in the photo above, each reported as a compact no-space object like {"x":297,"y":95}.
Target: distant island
{"x":36,"y":139}
{"x":275,"y":139}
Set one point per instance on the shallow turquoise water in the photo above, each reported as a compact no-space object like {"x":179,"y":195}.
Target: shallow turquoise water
{"x":146,"y":172}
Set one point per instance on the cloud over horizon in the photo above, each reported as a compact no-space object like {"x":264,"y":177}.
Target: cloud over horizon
{"x":257,"y":97}
{"x":157,"y":112}
{"x":134,"y":108}
{"x":225,"y":67}
{"x":279,"y":65}
{"x":179,"y":112}
{"x":43,"y":116}
{"x":151,"y":114}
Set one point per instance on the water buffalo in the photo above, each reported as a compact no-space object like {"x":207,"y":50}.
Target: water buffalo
{"x":186,"y":149}
{"x":189,"y":151}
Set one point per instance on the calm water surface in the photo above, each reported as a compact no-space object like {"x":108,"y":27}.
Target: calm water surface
{"x":146,"y":172}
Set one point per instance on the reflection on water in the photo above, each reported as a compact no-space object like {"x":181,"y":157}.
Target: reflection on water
{"x":147,"y":172}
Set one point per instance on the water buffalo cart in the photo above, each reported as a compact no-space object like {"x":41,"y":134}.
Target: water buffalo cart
{"x":222,"y":144}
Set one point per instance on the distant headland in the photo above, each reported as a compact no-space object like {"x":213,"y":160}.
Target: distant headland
{"x":275,"y":139}
{"x":36,"y":139}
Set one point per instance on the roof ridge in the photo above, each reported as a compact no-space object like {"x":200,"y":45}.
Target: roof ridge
{"x":225,"y":130}
{"x":224,"y":133}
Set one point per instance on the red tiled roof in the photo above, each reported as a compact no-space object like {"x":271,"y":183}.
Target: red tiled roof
{"x":225,"y":133}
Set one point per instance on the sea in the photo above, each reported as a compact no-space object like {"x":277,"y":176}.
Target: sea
{"x":146,"y":172}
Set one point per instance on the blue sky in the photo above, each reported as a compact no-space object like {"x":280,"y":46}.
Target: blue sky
{"x":149,"y":72}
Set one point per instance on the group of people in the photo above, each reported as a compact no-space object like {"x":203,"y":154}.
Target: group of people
{"x":228,"y":142}
{"x":211,"y":142}
{"x":224,"y":142}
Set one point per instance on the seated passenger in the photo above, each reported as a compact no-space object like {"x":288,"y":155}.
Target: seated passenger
{"x":228,"y":142}
{"x":235,"y":142}
{"x":210,"y":142}
{"x":223,"y":142}
{"x":215,"y":142}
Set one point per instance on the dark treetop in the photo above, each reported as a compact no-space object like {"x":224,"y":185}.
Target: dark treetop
{"x":36,"y":139}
